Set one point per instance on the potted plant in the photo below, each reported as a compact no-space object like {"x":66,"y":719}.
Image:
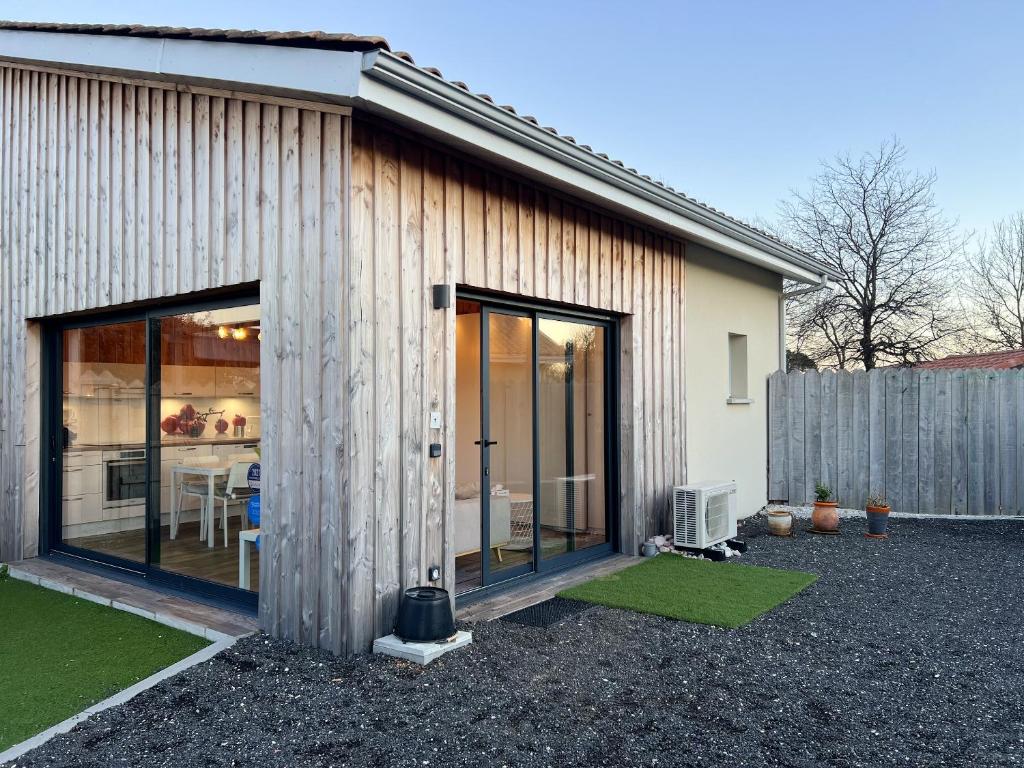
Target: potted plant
{"x":878,"y":516}
{"x":825,"y":517}
{"x":780,"y":522}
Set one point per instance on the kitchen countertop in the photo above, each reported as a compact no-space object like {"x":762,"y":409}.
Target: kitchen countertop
{"x":165,"y":443}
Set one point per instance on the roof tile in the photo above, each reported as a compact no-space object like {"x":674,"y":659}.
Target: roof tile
{"x":1003,"y":360}
{"x":337,"y":41}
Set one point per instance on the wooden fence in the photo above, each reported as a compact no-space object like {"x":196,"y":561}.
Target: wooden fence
{"x":933,"y":441}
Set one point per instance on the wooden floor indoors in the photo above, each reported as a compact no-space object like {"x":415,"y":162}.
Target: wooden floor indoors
{"x":186,"y":554}
{"x":553,"y":543}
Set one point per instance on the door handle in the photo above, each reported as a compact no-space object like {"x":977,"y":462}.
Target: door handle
{"x":485,"y":443}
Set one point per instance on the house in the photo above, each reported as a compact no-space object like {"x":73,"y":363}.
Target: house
{"x":446,"y":343}
{"x":1004,"y":359}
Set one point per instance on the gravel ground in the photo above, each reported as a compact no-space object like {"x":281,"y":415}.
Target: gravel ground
{"x":905,"y":652}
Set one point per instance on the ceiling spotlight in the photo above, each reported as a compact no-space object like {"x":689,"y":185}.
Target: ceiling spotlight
{"x":239,"y":334}
{"x":222,"y":332}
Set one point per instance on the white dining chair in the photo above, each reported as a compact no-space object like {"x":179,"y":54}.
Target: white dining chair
{"x":234,"y":488}
{"x":198,"y":487}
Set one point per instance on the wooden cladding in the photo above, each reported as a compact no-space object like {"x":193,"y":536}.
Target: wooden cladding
{"x":114,"y":192}
{"x":422,"y":216}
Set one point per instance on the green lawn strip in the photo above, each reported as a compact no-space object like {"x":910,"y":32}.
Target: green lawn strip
{"x":60,"y":654}
{"x":722,"y":594}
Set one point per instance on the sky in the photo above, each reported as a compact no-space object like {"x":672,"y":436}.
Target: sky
{"x":734,"y":103}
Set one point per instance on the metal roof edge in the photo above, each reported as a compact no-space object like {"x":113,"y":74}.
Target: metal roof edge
{"x":396,"y":72}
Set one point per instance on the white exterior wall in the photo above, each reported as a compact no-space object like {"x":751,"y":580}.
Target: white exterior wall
{"x":728,"y":441}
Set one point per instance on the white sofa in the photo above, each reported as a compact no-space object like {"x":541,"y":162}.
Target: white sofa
{"x":467,"y":523}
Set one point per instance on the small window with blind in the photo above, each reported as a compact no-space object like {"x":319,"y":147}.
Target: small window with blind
{"x":738,"y":392}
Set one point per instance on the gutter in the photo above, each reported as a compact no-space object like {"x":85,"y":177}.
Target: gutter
{"x":783,"y":297}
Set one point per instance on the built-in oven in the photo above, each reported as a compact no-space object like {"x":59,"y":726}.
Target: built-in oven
{"x":124,"y":478}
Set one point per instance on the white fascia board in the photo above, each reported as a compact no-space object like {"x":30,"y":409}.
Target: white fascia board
{"x":407,"y":94}
{"x":267,"y":69}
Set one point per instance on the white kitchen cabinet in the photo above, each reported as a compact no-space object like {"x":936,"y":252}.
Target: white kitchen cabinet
{"x":84,"y":508}
{"x":133,"y":512}
{"x":74,"y":459}
{"x":226,"y":451}
{"x":86,"y":479}
{"x":178,"y":453}
{"x":104,"y":380}
{"x":238,"y":381}
{"x":185,"y":381}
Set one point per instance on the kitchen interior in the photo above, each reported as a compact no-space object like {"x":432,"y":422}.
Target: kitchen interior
{"x":207,"y":392}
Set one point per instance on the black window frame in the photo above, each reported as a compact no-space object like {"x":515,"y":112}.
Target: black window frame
{"x":51,"y":454}
{"x":536,"y":310}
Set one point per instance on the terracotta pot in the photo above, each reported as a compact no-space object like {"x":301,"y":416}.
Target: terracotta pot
{"x":825,"y":516}
{"x":878,"y":521}
{"x":780,"y":522}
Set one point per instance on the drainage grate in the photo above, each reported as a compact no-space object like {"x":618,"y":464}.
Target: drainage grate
{"x":548,"y":613}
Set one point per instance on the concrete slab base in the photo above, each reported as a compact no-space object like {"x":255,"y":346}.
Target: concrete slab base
{"x":214,"y":624}
{"x":421,"y":653}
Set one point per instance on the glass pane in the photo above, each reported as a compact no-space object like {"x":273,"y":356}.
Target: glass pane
{"x":573,"y":511}
{"x":510,"y":404}
{"x":209,"y":412}
{"x":467,"y":453}
{"x":103,"y":439}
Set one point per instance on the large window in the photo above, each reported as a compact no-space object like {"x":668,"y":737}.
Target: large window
{"x":172,"y":399}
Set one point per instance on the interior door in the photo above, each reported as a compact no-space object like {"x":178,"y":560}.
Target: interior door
{"x":507,"y":444}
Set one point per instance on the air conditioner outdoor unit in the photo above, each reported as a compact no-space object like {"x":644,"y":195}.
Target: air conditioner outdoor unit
{"x":703,"y":514}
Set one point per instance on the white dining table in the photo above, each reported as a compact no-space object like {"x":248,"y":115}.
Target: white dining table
{"x":246,"y":539}
{"x":178,"y":472}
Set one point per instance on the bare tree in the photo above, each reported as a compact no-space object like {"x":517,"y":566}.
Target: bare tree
{"x":877,"y":224}
{"x":994,"y":288}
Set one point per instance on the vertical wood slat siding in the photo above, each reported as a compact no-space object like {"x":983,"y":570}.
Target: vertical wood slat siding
{"x":137,"y":192}
{"x":423,"y":217}
{"x":933,"y":441}
{"x":113,"y":192}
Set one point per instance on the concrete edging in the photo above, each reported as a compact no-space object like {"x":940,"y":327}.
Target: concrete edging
{"x":13,"y":753}
{"x":804,"y":511}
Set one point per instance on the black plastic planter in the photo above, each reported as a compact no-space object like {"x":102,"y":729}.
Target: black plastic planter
{"x":425,"y":615}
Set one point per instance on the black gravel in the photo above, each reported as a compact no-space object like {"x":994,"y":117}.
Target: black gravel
{"x":906,"y":652}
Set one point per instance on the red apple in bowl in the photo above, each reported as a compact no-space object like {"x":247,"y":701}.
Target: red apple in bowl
{"x":170,"y":424}
{"x":188,"y":412}
{"x":221,"y":426}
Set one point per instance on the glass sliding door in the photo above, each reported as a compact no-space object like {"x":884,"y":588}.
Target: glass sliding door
{"x":507,"y":445}
{"x":205,"y":398}
{"x":103,"y":425}
{"x":156,"y":442}
{"x":468,"y":512}
{"x":533,"y":411}
{"x":573,"y":507}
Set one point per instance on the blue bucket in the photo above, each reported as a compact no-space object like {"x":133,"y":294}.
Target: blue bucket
{"x":253,"y":510}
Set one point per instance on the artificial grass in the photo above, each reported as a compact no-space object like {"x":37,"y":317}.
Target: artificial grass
{"x":722,"y":594}
{"x":60,"y":654}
